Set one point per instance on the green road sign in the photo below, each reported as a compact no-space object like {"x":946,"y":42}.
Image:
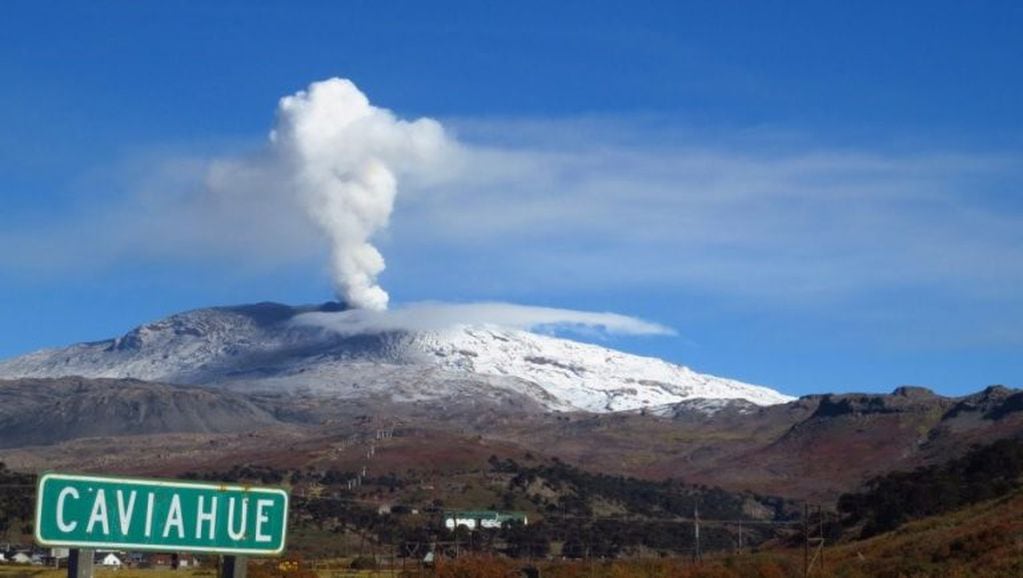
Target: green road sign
{"x":135,"y":514}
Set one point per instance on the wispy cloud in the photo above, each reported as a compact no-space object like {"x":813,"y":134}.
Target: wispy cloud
{"x":803,"y":223}
{"x":441,"y":316}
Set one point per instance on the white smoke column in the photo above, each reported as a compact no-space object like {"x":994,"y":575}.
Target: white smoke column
{"x":344,"y":156}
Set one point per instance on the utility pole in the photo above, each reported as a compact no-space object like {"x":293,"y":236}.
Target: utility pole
{"x":697,"y":554}
{"x":808,"y":562}
{"x":806,"y":541}
{"x":820,"y":514}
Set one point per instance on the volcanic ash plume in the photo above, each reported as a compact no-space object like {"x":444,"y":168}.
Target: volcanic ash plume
{"x":344,"y":156}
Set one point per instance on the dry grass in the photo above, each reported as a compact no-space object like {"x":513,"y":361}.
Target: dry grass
{"x":23,"y":571}
{"x":327,"y":569}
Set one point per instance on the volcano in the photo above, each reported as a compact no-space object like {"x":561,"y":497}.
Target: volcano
{"x":265,"y":347}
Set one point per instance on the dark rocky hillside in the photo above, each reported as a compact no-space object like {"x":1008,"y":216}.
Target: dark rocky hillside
{"x":46,"y":411}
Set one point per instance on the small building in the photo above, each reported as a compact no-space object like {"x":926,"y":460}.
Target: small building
{"x":59,"y":553}
{"x":110,"y":560}
{"x":489,"y":519}
{"x":21,"y":558}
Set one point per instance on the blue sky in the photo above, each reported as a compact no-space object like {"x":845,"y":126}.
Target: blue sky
{"x":817,"y":196}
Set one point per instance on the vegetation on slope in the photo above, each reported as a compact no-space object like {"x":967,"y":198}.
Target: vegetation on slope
{"x":572,"y":513}
{"x":16,"y":491}
{"x":984,"y":540}
{"x":981,"y":540}
{"x":890,"y":500}
{"x":965,"y":521}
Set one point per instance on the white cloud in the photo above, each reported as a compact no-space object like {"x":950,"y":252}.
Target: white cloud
{"x":526,"y":208}
{"x":440,"y":316}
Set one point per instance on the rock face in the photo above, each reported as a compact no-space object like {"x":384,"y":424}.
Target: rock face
{"x":903,"y":400}
{"x":37,"y":412}
{"x":263,"y":348}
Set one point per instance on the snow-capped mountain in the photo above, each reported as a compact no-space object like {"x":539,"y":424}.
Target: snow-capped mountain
{"x":262,"y":347}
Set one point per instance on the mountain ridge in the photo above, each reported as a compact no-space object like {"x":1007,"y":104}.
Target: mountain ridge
{"x":262,"y":347}
{"x":790,"y":449}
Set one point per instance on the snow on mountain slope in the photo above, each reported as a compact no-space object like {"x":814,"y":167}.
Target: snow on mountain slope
{"x":260,"y":347}
{"x":586,"y":376}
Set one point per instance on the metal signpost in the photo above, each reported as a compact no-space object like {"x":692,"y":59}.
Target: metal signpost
{"x":89,"y":512}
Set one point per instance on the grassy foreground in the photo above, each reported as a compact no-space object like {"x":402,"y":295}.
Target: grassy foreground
{"x":256,"y":570}
{"x":980,"y":541}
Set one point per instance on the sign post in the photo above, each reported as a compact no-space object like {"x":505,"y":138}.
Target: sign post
{"x":86,"y":513}
{"x":79,"y":563}
{"x":234,"y":567}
